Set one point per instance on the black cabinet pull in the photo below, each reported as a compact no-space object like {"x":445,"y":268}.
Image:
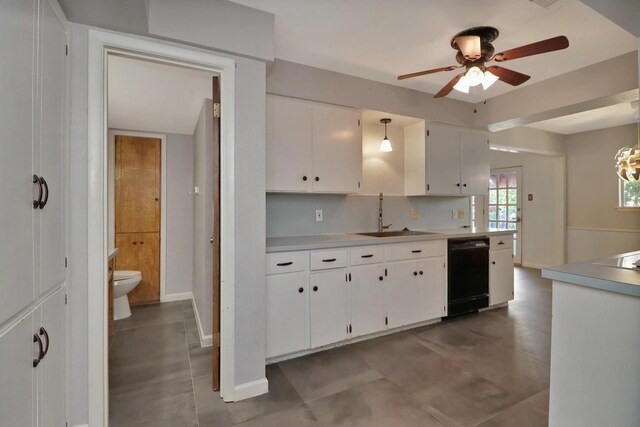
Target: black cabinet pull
{"x":315,"y":289}
{"x":37,"y":339}
{"x":284,"y":264}
{"x":421,"y":273}
{"x":135,"y":243}
{"x":501,"y":242}
{"x":458,"y":185}
{"x":349,"y":276}
{"x":36,"y":203}
{"x":304,"y":178}
{"x":317,"y":178}
{"x":141,"y":242}
{"x":301,"y":290}
{"x":380,"y":278}
{"x":417,"y":251}
{"x":46,"y":193}
{"x":329,"y":260}
{"x":493,"y":262}
{"x":415,"y":273}
{"x":366,"y":256}
{"x":43,"y":331}
{"x":464,"y":185}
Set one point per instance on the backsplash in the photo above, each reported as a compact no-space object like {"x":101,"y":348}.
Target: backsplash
{"x":294,"y":214}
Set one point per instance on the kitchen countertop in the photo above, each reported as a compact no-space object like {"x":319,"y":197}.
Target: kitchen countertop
{"x":599,"y":274}
{"x":337,"y":240}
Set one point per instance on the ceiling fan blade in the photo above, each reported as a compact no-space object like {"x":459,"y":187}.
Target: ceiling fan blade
{"x":423,"y":73}
{"x":543,"y":46}
{"x":514,"y":78}
{"x":449,"y":86}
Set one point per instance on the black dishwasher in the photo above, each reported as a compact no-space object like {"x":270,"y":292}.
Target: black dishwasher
{"x":468,"y":275}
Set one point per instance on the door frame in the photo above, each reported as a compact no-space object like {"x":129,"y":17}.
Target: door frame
{"x":112,"y":133}
{"x":100,"y":44}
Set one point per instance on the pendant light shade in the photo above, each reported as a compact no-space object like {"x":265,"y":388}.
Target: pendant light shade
{"x":385,"y":146}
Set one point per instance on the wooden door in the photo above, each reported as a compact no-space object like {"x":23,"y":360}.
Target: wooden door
{"x":137,"y":184}
{"x":215,"y":130}
{"x":148,"y":264}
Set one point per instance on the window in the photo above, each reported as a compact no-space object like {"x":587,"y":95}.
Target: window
{"x":629,"y":194}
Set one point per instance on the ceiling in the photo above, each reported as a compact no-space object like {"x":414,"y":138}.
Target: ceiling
{"x":600,"y":118}
{"x":154,"y":97}
{"x":379,"y":40}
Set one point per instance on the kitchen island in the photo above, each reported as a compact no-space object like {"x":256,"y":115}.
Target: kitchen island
{"x":595,"y":343}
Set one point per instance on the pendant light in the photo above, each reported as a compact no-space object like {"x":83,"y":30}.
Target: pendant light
{"x":385,"y":146}
{"x":628,"y":161}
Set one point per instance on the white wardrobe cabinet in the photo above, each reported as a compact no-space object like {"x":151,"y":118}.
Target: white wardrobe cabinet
{"x":312,"y":147}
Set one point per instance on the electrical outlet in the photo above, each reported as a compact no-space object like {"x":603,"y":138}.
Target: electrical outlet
{"x":460,"y":213}
{"x":414,"y":214}
{"x":454,"y":214}
{"x":318,"y":215}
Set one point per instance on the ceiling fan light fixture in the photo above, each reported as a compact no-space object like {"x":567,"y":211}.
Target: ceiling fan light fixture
{"x":385,"y":145}
{"x":462,"y":85}
{"x":474,"y":76}
{"x":489,"y":79}
{"x":469,"y":46}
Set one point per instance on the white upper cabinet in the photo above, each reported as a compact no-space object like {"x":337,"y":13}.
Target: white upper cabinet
{"x":452,"y":162}
{"x":313,"y":147}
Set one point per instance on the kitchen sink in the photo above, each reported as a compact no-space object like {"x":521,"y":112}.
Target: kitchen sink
{"x":396,"y":233}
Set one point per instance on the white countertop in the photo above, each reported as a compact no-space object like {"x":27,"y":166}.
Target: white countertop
{"x":322,"y":241}
{"x":599,"y":274}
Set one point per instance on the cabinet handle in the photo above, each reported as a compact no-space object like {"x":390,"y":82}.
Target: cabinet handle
{"x":46,"y":194}
{"x":493,"y":262}
{"x":329,"y":260}
{"x":37,"y":339}
{"x":417,"y":251}
{"x":36,"y":203}
{"x":380,"y":278}
{"x":464,"y":185}
{"x":301,"y":290}
{"x":458,"y":185}
{"x":315,"y":289}
{"x":421,"y":273}
{"x":43,"y":331}
{"x":366,"y":256}
{"x":135,"y":243}
{"x":415,"y":273}
{"x":141,"y":242}
{"x":284,"y":264}
{"x":304,"y":178}
{"x":317,"y":178}
{"x":501,"y":242}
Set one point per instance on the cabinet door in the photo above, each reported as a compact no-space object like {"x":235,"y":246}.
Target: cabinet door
{"x":328,"y":307}
{"x":401,"y":288}
{"x":51,"y":147}
{"x":287,"y":313}
{"x":500,"y":276}
{"x":51,"y":370}
{"x":367,"y":299}
{"x":443,"y":160}
{"x":289,"y":132}
{"x":17,"y":351}
{"x":431,"y":288}
{"x":148,"y":263}
{"x":16,"y":153}
{"x":337,"y":150}
{"x":474,"y":162}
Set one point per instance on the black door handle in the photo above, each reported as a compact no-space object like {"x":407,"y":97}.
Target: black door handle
{"x":421,"y":273}
{"x":284,"y":264}
{"x":317,"y":178}
{"x":380,"y":278}
{"x":304,"y":178}
{"x":37,"y":339}
{"x":315,"y":289}
{"x":44,"y":332}
{"x":301,"y":290}
{"x":417,"y":251}
{"x":36,"y":203}
{"x":464,"y":185}
{"x":493,"y":262}
{"x":415,"y":273}
{"x":329,"y":260}
{"x":458,"y":185}
{"x":46,"y":194}
{"x":366,"y":256}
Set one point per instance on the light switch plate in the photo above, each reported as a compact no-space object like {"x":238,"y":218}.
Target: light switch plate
{"x":460,"y":213}
{"x":318,"y":215}
{"x":454,"y":214}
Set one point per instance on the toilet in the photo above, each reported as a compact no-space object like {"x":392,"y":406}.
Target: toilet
{"x":124,"y":281}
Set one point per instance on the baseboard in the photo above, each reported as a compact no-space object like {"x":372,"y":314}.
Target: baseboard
{"x":205,"y":340}
{"x":182,"y":296}
{"x":251,"y":389}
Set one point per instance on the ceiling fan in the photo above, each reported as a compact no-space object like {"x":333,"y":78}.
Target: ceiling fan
{"x":475,"y":50}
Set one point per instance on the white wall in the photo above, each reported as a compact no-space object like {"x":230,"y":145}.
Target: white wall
{"x":595,"y":227}
{"x":543,"y":218}
{"x":382,"y":172}
{"x":203,"y":219}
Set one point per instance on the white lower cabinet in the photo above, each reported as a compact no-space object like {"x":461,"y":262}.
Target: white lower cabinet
{"x":328,"y":310}
{"x":287,"y":313}
{"x":32,"y":367}
{"x":367,"y":299}
{"x":500,"y":276}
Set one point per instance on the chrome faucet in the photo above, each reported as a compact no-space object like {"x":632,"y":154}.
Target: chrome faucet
{"x":381,"y":225}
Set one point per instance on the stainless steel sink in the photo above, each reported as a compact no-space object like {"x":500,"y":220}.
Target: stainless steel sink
{"x":396,"y":233}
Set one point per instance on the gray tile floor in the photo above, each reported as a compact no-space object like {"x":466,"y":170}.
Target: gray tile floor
{"x":488,"y":369}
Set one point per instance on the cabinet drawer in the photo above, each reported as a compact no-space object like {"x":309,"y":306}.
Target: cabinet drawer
{"x":416,"y":250}
{"x":367,"y":255}
{"x":286,"y":262}
{"x":322,"y":260}
{"x":504,"y":241}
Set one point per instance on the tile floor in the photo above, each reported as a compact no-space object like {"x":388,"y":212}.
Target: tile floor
{"x":488,"y":369}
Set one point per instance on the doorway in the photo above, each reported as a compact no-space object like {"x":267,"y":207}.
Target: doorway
{"x":505,"y":205}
